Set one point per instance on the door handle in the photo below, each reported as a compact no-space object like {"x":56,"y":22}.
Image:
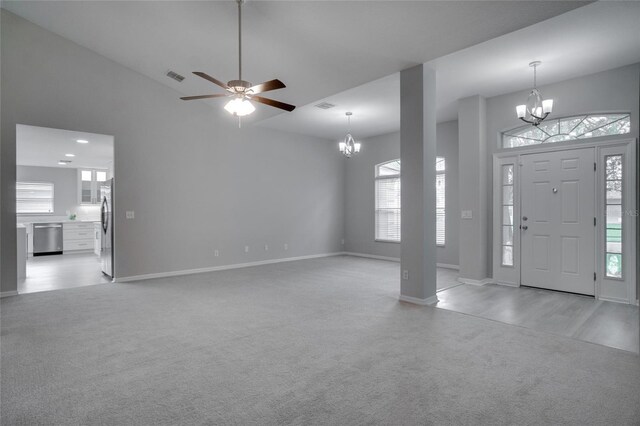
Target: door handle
{"x":524,"y":227}
{"x":524,"y":218}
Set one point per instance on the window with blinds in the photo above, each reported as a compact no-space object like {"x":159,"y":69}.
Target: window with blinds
{"x":440,"y":200}
{"x":387,"y":201}
{"x":34,"y":197}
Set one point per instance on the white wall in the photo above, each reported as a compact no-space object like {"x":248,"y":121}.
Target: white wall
{"x":195,"y":181}
{"x":609,"y":91}
{"x":360,"y":197}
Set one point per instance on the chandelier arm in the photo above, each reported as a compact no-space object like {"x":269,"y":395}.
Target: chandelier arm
{"x":540,"y":118}
{"x":528,"y":121}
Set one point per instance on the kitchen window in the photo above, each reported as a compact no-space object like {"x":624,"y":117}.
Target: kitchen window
{"x":34,"y":198}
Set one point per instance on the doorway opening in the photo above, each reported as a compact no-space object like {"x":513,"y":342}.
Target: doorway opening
{"x":64,"y":191}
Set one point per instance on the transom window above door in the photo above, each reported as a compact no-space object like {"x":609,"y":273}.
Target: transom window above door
{"x":568,"y":129}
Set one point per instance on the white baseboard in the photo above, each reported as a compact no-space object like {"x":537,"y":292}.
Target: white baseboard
{"x":372,"y":256}
{"x":448,"y":266}
{"x":616,"y":300}
{"x":507,"y":284}
{"x":397,"y":259}
{"x":8,"y":293}
{"x":475,"y":282}
{"x":416,"y":301}
{"x":220,"y":268}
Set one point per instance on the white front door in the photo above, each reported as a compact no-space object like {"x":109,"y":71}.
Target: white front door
{"x":557,"y":223}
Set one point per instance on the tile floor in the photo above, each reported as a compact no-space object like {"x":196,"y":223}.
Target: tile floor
{"x":62,"y":271}
{"x":579,"y":317}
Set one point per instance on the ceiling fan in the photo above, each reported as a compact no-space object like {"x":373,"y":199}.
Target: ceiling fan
{"x":241,"y":90}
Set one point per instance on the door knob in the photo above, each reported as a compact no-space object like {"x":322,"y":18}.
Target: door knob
{"x":525,"y":227}
{"x":524,"y":218}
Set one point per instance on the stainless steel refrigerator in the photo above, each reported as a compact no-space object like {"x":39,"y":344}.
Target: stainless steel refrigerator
{"x":106,"y":220}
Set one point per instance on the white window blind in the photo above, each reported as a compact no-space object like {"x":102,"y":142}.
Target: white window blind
{"x":440,"y":201}
{"x":34,"y":197}
{"x":388,"y":196}
{"x":387,"y":201}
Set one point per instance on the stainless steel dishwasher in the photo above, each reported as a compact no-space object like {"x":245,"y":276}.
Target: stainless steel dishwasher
{"x":47,"y":239}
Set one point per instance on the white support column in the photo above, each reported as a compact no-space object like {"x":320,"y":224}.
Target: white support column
{"x":474,"y":192}
{"x":418,"y":157}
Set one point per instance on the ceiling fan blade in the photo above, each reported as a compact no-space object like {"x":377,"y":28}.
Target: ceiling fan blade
{"x":267,"y":86}
{"x":273,"y":103}
{"x":191,"y":98}
{"x":211,"y":79}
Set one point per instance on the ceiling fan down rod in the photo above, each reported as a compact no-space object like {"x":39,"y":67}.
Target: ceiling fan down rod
{"x":239,"y":38}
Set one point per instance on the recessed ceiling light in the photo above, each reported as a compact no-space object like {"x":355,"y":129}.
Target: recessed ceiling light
{"x":69,"y":155}
{"x":62,"y":163}
{"x":82,"y":141}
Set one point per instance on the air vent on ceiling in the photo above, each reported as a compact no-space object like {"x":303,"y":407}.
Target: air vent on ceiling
{"x":324,"y":105}
{"x":174,"y":75}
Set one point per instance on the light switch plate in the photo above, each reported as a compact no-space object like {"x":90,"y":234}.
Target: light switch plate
{"x":131,"y":214}
{"x":467,"y":214}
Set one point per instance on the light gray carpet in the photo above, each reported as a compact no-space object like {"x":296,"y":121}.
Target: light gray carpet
{"x":313,"y":342}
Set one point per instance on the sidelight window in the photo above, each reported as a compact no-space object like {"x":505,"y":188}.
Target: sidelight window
{"x":613,"y":216}
{"x":507,"y":215}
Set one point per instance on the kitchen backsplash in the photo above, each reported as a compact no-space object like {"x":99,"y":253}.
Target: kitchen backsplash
{"x":91,"y":213}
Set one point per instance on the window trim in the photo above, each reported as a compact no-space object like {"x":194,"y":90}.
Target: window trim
{"x":53,"y":199}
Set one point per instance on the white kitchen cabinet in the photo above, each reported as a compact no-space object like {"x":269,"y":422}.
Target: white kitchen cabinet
{"x":97,"y":238}
{"x":89,"y":181}
{"x":77,"y":237}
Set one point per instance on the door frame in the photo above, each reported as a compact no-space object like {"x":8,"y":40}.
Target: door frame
{"x":618,"y":290}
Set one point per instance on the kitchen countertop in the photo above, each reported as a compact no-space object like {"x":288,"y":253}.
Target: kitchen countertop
{"x":24,"y":224}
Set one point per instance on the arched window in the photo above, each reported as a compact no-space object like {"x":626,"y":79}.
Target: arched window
{"x":568,"y":129}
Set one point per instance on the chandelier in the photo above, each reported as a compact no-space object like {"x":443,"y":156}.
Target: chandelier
{"x":349,"y":146}
{"x":536,"y":109}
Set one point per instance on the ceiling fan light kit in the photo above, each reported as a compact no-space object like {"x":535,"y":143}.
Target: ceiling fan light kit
{"x":242,"y":91}
{"x":536,"y":109}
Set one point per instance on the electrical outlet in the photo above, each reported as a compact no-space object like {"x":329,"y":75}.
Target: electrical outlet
{"x":266,"y":247}
{"x":286,"y":246}
{"x":405,"y":275}
{"x":466,"y":214}
{"x":131,"y":214}
{"x":246,"y":249}
{"x":216,"y":253}
{"x":342,"y":241}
